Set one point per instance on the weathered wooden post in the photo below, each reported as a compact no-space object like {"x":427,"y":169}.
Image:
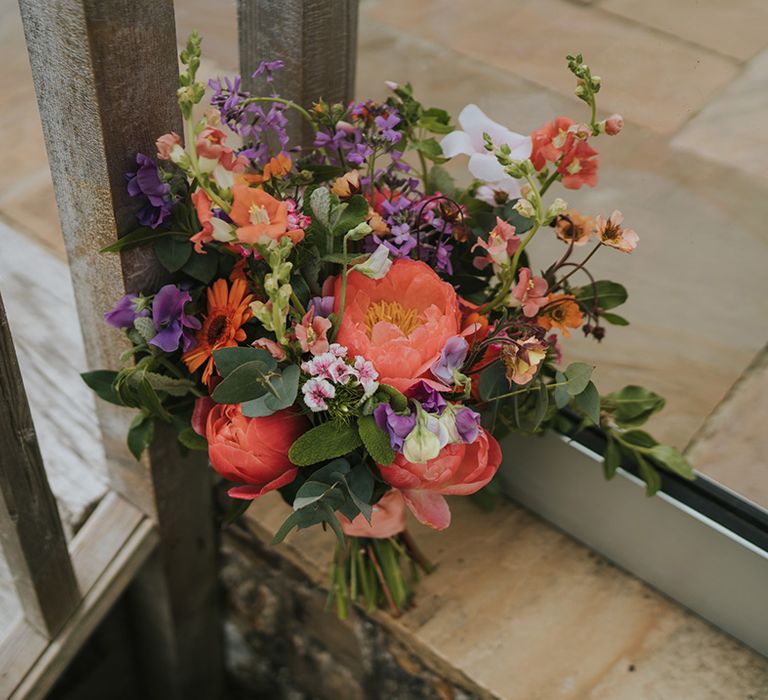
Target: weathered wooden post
{"x":106,"y":75}
{"x":316,"y":40}
{"x":30,"y":529}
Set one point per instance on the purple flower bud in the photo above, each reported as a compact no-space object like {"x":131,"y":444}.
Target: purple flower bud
{"x":431,"y":399}
{"x":323,"y":306}
{"x":146,"y":182}
{"x":123,"y":314}
{"x":397,"y":427}
{"x":451,"y":359}
{"x":467,"y":424}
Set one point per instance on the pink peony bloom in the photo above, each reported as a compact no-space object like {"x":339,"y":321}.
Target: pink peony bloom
{"x":612,"y":234}
{"x":312,"y":333}
{"x":459,"y":470}
{"x":387,"y":520}
{"x":253,"y":451}
{"x":400,"y":322}
{"x":500,"y":247}
{"x":530,"y":291}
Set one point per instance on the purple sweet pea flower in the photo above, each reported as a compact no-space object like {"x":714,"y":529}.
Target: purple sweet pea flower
{"x":451,"y":359}
{"x":468,"y":424}
{"x":323,"y":306}
{"x":397,"y":427}
{"x":387,"y":125}
{"x":431,"y":399}
{"x":266,"y":68}
{"x":171,"y":323}
{"x":124,"y":313}
{"x":146,"y":182}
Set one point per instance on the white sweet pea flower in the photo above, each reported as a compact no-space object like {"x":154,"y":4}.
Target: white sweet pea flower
{"x":222,"y":231}
{"x":377,"y":265}
{"x":482,"y":163}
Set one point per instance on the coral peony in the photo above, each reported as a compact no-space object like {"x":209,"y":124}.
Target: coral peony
{"x":459,"y":470}
{"x":387,"y":520}
{"x":253,"y":451}
{"x":400,"y":322}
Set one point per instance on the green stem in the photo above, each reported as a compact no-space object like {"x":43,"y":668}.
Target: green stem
{"x":525,"y":391}
{"x":297,"y":303}
{"x":548,"y":182}
{"x":343,"y":300}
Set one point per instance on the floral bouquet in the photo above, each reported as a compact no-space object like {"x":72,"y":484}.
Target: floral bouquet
{"x":344,"y":324}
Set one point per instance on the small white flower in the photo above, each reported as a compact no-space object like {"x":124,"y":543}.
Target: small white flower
{"x":482,"y":163}
{"x":316,"y":391}
{"x":377,"y":265}
{"x":367,"y":375}
{"x":319,"y":366}
{"x":340,"y":372}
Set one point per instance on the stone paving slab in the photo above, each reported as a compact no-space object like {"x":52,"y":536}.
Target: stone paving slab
{"x":656,"y":79}
{"x":735,"y":28}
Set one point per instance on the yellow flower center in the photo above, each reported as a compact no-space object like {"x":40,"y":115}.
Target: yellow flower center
{"x":258,"y":214}
{"x":407,"y":320}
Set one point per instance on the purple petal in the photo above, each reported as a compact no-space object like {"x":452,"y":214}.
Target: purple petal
{"x":468,"y":424}
{"x":168,"y":338}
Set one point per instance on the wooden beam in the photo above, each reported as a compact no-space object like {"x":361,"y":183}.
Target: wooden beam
{"x":317,"y":41}
{"x":106,"y":74}
{"x":30,"y":529}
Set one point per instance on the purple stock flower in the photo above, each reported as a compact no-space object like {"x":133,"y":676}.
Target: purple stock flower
{"x":451,"y":359}
{"x":266,"y":68}
{"x":387,"y":125}
{"x":170,"y":321}
{"x":397,"y":427}
{"x":146,"y":182}
{"x":124,"y":313}
{"x":431,"y":399}
{"x":323,"y":306}
{"x":467,"y":424}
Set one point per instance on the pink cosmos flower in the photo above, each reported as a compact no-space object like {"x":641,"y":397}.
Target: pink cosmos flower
{"x":312,"y":333}
{"x":612,"y":234}
{"x":459,"y":469}
{"x":316,"y":391}
{"x":530,"y":291}
{"x":500,"y":247}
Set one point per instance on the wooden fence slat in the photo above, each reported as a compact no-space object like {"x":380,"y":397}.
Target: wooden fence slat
{"x":317,"y":41}
{"x":30,"y":529}
{"x":106,"y":74}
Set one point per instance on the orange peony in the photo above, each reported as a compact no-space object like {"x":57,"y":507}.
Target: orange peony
{"x":253,"y":451}
{"x":260,"y":218}
{"x":387,"y":520}
{"x":459,"y":470}
{"x":400,"y":322}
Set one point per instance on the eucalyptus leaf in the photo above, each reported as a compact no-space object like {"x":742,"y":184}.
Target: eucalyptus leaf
{"x":246,"y":382}
{"x":589,"y":402}
{"x":281,"y":393}
{"x":577,"y":376}
{"x":229,"y":359}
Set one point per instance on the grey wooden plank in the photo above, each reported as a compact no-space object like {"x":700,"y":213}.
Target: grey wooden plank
{"x":316,"y":40}
{"x":105,"y":75}
{"x":30,"y":530}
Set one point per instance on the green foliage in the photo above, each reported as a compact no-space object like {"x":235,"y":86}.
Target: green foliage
{"x":101,"y":381}
{"x":603,"y":293}
{"x":573,"y":382}
{"x":588,"y":402}
{"x":244,"y":383}
{"x":141,"y":236}
{"x":191,"y":440}
{"x":375,"y":440}
{"x":493,"y":382}
{"x":611,"y":459}
{"x":396,"y":398}
{"x":201,"y":267}
{"x":614,"y":319}
{"x":228,"y":359}
{"x":281,"y":393}
{"x":632,"y":406}
{"x":324,"y":441}
{"x":140,"y":434}
{"x":173,"y":252}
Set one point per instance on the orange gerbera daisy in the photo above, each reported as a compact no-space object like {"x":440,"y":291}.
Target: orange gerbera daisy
{"x":222,"y":328}
{"x":561,"y":312}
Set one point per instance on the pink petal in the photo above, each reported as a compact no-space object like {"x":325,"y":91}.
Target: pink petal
{"x":429,"y":508}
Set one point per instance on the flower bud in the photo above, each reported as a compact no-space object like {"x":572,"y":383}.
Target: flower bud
{"x":556,"y":208}
{"x":524,"y":208}
{"x":377,"y":265}
{"x":421,"y":445}
{"x":614,"y":124}
{"x":391,"y":85}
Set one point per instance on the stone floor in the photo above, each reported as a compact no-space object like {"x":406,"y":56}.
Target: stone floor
{"x":689,"y":170}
